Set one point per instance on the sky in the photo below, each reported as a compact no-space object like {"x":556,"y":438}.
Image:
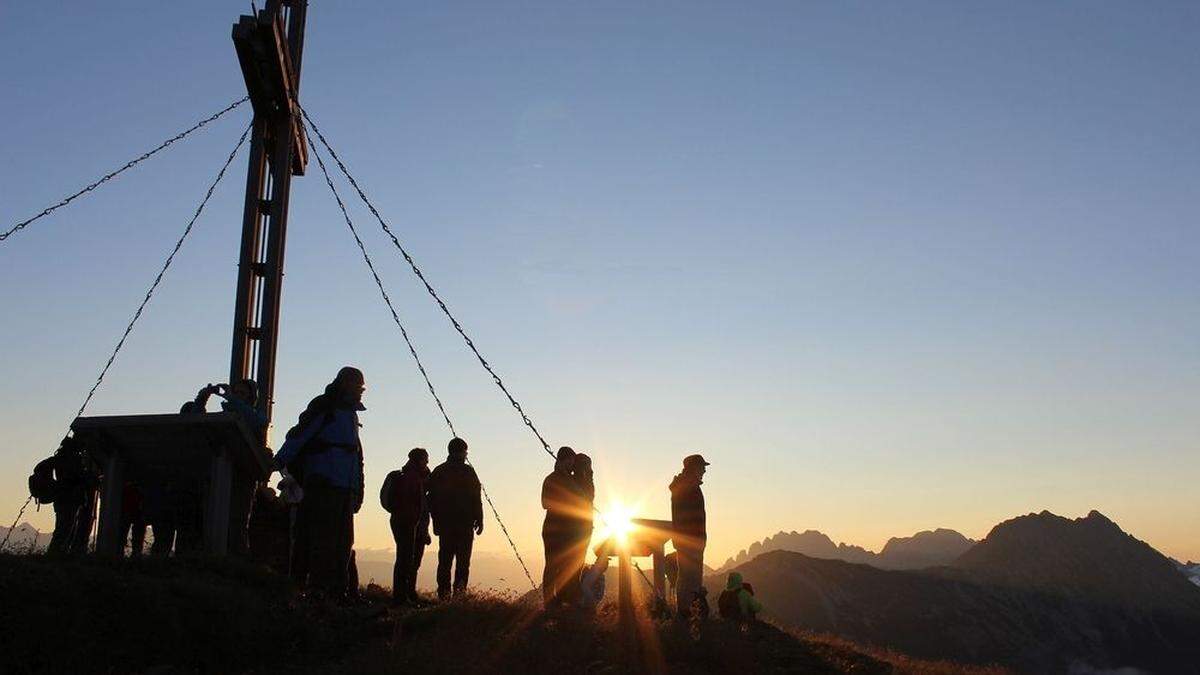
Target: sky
{"x":888,"y":267}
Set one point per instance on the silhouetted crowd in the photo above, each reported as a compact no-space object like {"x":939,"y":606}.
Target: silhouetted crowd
{"x":307,"y":528}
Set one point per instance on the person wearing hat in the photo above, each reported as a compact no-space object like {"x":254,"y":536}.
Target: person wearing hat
{"x":688,"y":523}
{"x":457,"y":511}
{"x":561,"y":499}
{"x":403,"y":496}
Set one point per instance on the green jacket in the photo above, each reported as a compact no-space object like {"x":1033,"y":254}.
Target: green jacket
{"x":748,"y":605}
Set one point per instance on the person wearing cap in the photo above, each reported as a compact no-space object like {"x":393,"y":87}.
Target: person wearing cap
{"x":457,"y":512}
{"x":403,"y":496}
{"x":691,"y":535}
{"x":560,"y":498}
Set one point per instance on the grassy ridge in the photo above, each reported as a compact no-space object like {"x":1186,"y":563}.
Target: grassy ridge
{"x":91,"y":616}
{"x":495,"y":634}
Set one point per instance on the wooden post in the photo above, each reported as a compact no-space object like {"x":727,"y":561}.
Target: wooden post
{"x":269,"y":52}
{"x":625,"y":587}
{"x":108,"y":536}
{"x":660,"y":572}
{"x":216,"y":515}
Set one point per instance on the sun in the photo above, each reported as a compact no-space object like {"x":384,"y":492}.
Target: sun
{"x":617,"y":522}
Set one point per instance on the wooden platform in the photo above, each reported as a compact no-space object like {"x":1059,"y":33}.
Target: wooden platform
{"x":214,"y":449}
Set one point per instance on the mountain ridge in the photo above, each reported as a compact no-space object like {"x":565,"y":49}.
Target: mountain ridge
{"x":1040,"y":593}
{"x":927,"y":548}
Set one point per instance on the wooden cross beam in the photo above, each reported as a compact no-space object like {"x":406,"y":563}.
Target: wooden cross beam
{"x":264,"y":50}
{"x":269,"y":49}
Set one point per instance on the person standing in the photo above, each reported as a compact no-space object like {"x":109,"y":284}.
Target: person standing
{"x":585,"y":491}
{"x":241,"y":399}
{"x":74,"y":486}
{"x":560,"y":499}
{"x":325,"y":446}
{"x":457,"y":512}
{"x":688,"y":522}
{"x":403,"y":496}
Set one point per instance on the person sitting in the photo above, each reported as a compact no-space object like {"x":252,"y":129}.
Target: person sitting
{"x":737,"y":601}
{"x":592,"y":584}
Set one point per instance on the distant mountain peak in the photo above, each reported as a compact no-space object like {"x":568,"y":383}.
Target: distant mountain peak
{"x":1088,"y":557}
{"x":928,"y":548}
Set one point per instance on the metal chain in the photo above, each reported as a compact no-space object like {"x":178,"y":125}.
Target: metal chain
{"x":15,"y":521}
{"x":507,"y":536}
{"x":146,"y":155}
{"x":411,"y":349}
{"x":158,"y":279}
{"x":387,"y":300}
{"x":428,"y":287}
{"x":161,"y":272}
{"x":445,"y":310}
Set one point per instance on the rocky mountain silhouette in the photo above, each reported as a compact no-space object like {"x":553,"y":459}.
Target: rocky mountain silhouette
{"x":24,"y":538}
{"x":1191,"y":570}
{"x":1041,"y":594}
{"x":1087,"y":557}
{"x":923,"y":549}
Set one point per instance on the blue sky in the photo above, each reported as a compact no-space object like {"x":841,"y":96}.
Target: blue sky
{"x":890,"y":267}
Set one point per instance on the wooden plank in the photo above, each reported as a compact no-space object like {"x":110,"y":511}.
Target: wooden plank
{"x":271,"y":81}
{"x":168,"y":438}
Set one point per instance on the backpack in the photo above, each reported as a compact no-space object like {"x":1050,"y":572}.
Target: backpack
{"x":388,"y":491}
{"x":727,"y":604}
{"x":310,"y":447}
{"x":42,"y":485}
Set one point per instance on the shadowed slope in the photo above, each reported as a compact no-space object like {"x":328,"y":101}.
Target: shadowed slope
{"x":89,"y":616}
{"x":1088,"y":557}
{"x":1027,"y":598}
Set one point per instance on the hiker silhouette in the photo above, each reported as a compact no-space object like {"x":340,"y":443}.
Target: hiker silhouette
{"x":585,"y":489}
{"x":690,"y":532}
{"x":456,"y":509}
{"x":403,"y":495}
{"x":240,"y":398}
{"x":72,"y":488}
{"x":562,"y":529}
{"x":324,"y":453}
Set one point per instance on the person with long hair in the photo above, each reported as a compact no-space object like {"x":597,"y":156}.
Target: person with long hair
{"x":324,"y":453}
{"x":560,"y":531}
{"x":582,"y":523}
